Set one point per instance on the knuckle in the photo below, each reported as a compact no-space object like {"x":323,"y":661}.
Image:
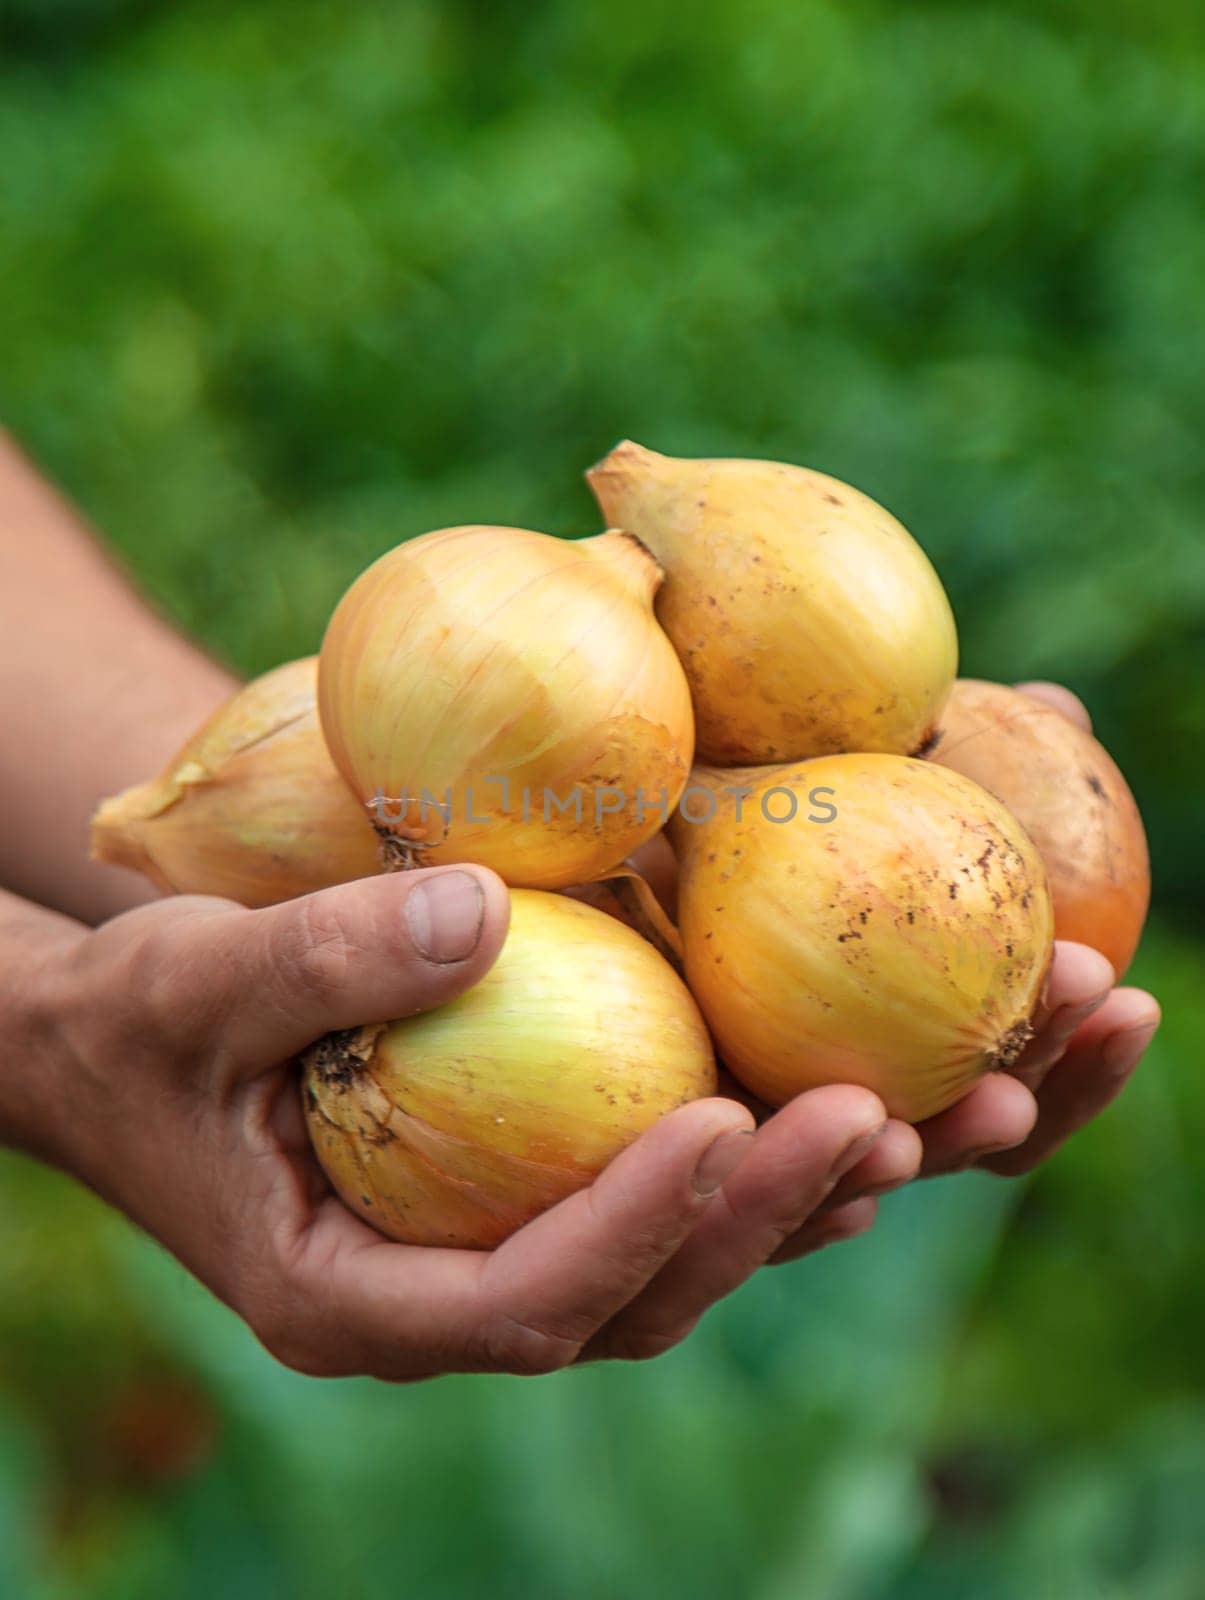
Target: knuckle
{"x":167,"y":956}
{"x":508,"y":1344}
{"x":137,"y":965}
{"x":281,"y":1317}
{"x":766,"y":1226}
{"x":643,"y":1245}
{"x":124,"y":993}
{"x":312,"y":947}
{"x":294,"y":1346}
{"x":782,"y":1226}
{"x":150,"y":947}
{"x":646,"y":1344}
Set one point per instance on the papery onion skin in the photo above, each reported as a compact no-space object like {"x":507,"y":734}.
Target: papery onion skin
{"x":1065,"y":788}
{"x":643,"y":894}
{"x":251,"y":808}
{"x":477,"y":654}
{"x":901,"y":945}
{"x":808,"y":619}
{"x":457,"y":1126}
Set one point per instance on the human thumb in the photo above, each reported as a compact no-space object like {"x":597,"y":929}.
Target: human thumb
{"x":362,"y":952}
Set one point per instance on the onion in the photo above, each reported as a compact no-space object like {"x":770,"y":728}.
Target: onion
{"x":895,"y":932}
{"x":506,"y":698}
{"x":251,"y":808}
{"x":457,"y":1126}
{"x":807,"y":618}
{"x":1064,"y":787}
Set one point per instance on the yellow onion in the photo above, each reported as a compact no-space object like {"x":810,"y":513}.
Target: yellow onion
{"x":457,"y":1126}
{"x":503,"y":697}
{"x":808,"y":619}
{"x":251,"y":808}
{"x":894,"y":931}
{"x":1062,"y":784}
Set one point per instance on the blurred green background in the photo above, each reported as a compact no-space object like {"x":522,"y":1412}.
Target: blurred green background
{"x":284,"y":282}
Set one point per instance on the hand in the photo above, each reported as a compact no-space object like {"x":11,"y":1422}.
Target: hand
{"x":161,"y":1047}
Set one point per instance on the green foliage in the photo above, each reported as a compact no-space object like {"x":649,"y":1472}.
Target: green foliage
{"x":286,"y":282}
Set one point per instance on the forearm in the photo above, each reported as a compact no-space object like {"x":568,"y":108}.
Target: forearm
{"x":96,"y":692}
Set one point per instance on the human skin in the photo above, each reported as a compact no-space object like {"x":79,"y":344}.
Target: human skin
{"x":150,"y":1045}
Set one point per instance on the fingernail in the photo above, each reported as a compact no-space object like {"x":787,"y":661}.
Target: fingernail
{"x":445,"y":914}
{"x":854,"y":1152}
{"x":1123,"y":1051}
{"x":721,"y":1159}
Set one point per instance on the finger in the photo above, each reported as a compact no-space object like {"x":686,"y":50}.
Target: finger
{"x":362,"y":952}
{"x":998,"y":1113}
{"x":1080,"y":980}
{"x":892,"y":1161}
{"x":796,"y":1159}
{"x":397,"y":1312}
{"x":1054,"y":694}
{"x":1094,"y":1070}
{"x":828,"y":1227}
{"x":570,"y":1271}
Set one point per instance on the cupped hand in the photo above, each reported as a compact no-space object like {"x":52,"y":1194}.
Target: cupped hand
{"x":163,"y":1045}
{"x":165,"y":1042}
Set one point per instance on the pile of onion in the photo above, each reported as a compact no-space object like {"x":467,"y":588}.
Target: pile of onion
{"x":871,"y":865}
